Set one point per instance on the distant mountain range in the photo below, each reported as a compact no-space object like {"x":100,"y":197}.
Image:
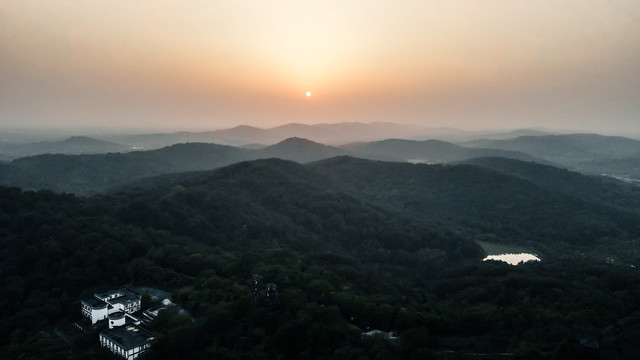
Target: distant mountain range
{"x":71,"y":145}
{"x":87,"y":174}
{"x":94,"y":173}
{"x":332,"y":134}
{"x":15,"y":145}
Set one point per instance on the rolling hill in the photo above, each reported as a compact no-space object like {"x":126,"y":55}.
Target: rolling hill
{"x":351,"y":245}
{"x":624,"y":167}
{"x":486,"y":201}
{"x":428,"y":151}
{"x":71,"y":145}
{"x":301,"y":150}
{"x":90,"y":174}
{"x":598,"y":188}
{"x":567,"y":150}
{"x":333,"y":134}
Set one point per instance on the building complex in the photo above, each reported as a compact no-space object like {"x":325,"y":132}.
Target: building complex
{"x":125,"y":336}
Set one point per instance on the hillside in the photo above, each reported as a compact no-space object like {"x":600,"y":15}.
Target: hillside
{"x":428,"y":151}
{"x":71,"y":145}
{"x":90,"y":174}
{"x":493,"y":198}
{"x":341,"y":133}
{"x":87,"y":174}
{"x":244,"y":134}
{"x":595,"y":188}
{"x":484,"y":201}
{"x":567,"y":150}
{"x":352,"y":245}
{"x":267,"y":217}
{"x":625,"y":166}
{"x":326,"y":133}
{"x":301,"y":150}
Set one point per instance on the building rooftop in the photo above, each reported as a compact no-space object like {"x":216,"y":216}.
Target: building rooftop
{"x":124,"y":299}
{"x":128,"y":336}
{"x":116,"y":315}
{"x":117,"y":293}
{"x":94,"y":303}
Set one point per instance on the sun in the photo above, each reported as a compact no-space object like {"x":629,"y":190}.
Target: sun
{"x":308,"y":93}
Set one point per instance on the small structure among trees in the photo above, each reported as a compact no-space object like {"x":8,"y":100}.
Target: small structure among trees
{"x":267,"y":295}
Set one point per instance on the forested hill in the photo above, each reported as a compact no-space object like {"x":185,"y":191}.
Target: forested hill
{"x":268,"y":217}
{"x":301,"y":150}
{"x":507,"y":200}
{"x":568,"y":150}
{"x":504,"y":205}
{"x":428,"y":151}
{"x":71,"y":145}
{"x":626,"y":166}
{"x":90,"y":174}
{"x":593,"y":188}
{"x":350,"y":248}
{"x":87,"y":174}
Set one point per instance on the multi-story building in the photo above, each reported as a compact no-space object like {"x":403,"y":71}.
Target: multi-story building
{"x":128,"y":341}
{"x":125,"y":336}
{"x":102,"y":304}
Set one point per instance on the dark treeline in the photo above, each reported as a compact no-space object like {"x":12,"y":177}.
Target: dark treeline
{"x":345,"y":260}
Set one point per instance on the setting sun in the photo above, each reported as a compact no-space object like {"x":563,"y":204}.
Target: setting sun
{"x":217,"y":64}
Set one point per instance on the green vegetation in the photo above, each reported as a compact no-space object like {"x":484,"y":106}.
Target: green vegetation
{"x":587,"y":153}
{"x":486,"y":205}
{"x":599,"y":189}
{"x":352,"y":246}
{"x":100,"y":173}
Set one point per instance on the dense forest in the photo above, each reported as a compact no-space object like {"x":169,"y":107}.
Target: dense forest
{"x":352,"y":245}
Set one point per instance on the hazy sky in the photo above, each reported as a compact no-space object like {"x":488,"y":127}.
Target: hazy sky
{"x":213,"y":64}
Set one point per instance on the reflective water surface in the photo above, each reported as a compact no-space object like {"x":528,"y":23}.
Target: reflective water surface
{"x":513,"y":259}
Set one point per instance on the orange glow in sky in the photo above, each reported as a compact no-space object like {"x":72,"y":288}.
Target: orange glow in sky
{"x":213,"y":64}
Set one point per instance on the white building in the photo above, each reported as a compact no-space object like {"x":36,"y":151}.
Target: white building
{"x":125,"y":337}
{"x":102,"y":304}
{"x":127,"y":341}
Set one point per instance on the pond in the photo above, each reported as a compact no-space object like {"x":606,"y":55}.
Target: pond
{"x":513,"y":259}
{"x":509,"y":253}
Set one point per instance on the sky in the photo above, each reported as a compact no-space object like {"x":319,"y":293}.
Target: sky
{"x":202,"y":64}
